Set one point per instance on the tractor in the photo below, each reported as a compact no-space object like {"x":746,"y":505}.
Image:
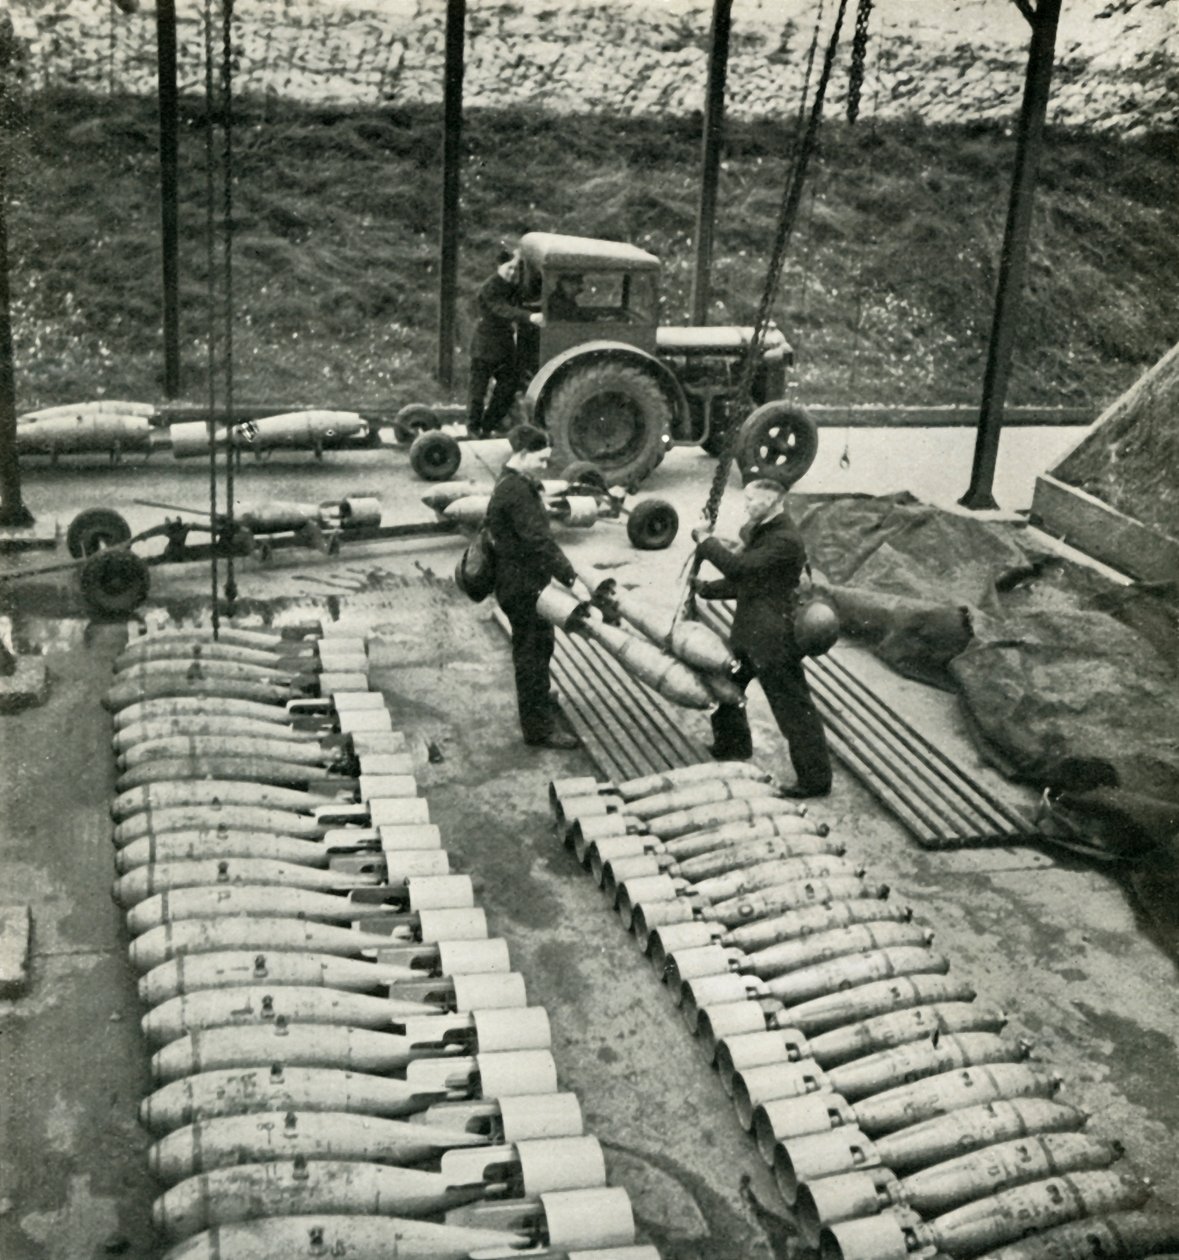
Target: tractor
{"x":615,"y":389}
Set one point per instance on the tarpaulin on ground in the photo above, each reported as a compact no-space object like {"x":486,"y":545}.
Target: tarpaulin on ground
{"x":1043,"y":670}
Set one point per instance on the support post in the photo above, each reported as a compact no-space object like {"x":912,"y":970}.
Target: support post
{"x":714,"y":117}
{"x":1044,"y":19}
{"x":452,"y":115}
{"x":169,"y":191}
{"x":12,"y":509}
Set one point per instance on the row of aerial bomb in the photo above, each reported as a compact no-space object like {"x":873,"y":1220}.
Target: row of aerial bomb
{"x":116,"y":428}
{"x":466,"y":502}
{"x":896,"y":1117}
{"x":344,"y":1061}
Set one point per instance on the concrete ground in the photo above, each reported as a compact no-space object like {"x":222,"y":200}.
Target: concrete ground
{"x":1052,"y":940}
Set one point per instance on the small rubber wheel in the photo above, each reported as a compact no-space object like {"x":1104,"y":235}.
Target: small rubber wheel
{"x":778,"y":442}
{"x":652,"y":525}
{"x":114,"y":582}
{"x":435,"y":456}
{"x":581,"y":472}
{"x":96,"y":529}
{"x":414,"y":419}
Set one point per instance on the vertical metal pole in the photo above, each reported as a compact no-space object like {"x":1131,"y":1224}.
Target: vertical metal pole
{"x":1013,"y":260}
{"x":714,"y":118}
{"x":169,"y":196}
{"x":452,"y":131}
{"x":12,"y":508}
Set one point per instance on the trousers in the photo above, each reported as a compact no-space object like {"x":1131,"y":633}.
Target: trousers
{"x":789,"y":696}
{"x":532,"y":650}
{"x":483,"y":413}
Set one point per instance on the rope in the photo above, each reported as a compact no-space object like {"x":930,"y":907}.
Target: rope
{"x":211,"y":301}
{"x":227,"y":265}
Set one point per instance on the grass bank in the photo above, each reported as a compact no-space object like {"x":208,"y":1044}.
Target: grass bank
{"x":887,"y":294}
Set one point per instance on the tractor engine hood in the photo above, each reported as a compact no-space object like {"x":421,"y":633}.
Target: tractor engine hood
{"x":722,"y":339}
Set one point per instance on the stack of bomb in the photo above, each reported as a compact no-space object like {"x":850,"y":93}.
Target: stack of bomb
{"x":106,"y":425}
{"x":466,"y":502}
{"x":343,"y":1059}
{"x":310,"y":430}
{"x":896,"y":1116}
{"x":683,"y":661}
{"x":115,"y":427}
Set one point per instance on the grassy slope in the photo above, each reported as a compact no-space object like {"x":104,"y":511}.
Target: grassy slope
{"x":334,"y":261}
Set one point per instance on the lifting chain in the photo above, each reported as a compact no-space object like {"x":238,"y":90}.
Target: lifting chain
{"x":859,"y":52}
{"x":227,"y":267}
{"x":791,"y":199}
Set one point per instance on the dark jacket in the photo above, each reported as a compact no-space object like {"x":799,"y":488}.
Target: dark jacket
{"x":526,"y":555}
{"x":497,"y":310}
{"x":763,"y":579}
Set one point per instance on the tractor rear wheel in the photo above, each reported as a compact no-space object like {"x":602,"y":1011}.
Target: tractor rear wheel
{"x":778,"y":442}
{"x":612,"y":414}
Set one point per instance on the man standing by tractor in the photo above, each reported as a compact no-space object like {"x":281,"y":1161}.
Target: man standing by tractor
{"x":526,"y":558}
{"x":494,"y":356}
{"x":762,"y":574}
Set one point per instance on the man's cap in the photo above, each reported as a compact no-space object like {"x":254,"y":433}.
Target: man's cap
{"x":767,"y":485}
{"x":527,"y":438}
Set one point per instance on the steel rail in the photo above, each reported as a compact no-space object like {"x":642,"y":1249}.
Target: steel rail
{"x":626,"y":751}
{"x":1009,"y":815}
{"x":982,"y":823}
{"x":647,"y":708}
{"x":582,"y":713}
{"x":924,"y":835}
{"x":900,"y":775}
{"x":617,"y":704}
{"x":961,"y":812}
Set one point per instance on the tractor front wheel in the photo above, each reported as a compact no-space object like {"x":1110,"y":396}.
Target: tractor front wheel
{"x":613,"y":415}
{"x":778,"y":442}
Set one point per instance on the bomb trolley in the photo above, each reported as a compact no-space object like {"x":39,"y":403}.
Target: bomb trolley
{"x":115,"y":578}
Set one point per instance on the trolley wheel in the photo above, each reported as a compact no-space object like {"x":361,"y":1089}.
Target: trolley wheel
{"x":95,"y":530}
{"x":114,"y":582}
{"x":412,"y":420}
{"x":435,"y":456}
{"x":581,"y":472}
{"x":652,"y":525}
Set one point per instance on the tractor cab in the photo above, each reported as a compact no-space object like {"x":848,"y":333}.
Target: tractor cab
{"x":615,"y":389}
{"x":589,"y":290}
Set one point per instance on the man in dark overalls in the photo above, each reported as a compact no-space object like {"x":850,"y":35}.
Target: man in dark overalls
{"x":494,"y":360}
{"x":526,"y":558}
{"x":762,"y":575}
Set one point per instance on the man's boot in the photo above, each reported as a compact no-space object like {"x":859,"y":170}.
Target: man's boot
{"x":731,"y":739}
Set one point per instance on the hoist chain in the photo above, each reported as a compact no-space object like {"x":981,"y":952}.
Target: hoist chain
{"x":859,"y":51}
{"x":227,"y":269}
{"x":791,"y":199}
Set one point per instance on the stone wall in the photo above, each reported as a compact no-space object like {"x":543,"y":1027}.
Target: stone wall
{"x":939,"y":60}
